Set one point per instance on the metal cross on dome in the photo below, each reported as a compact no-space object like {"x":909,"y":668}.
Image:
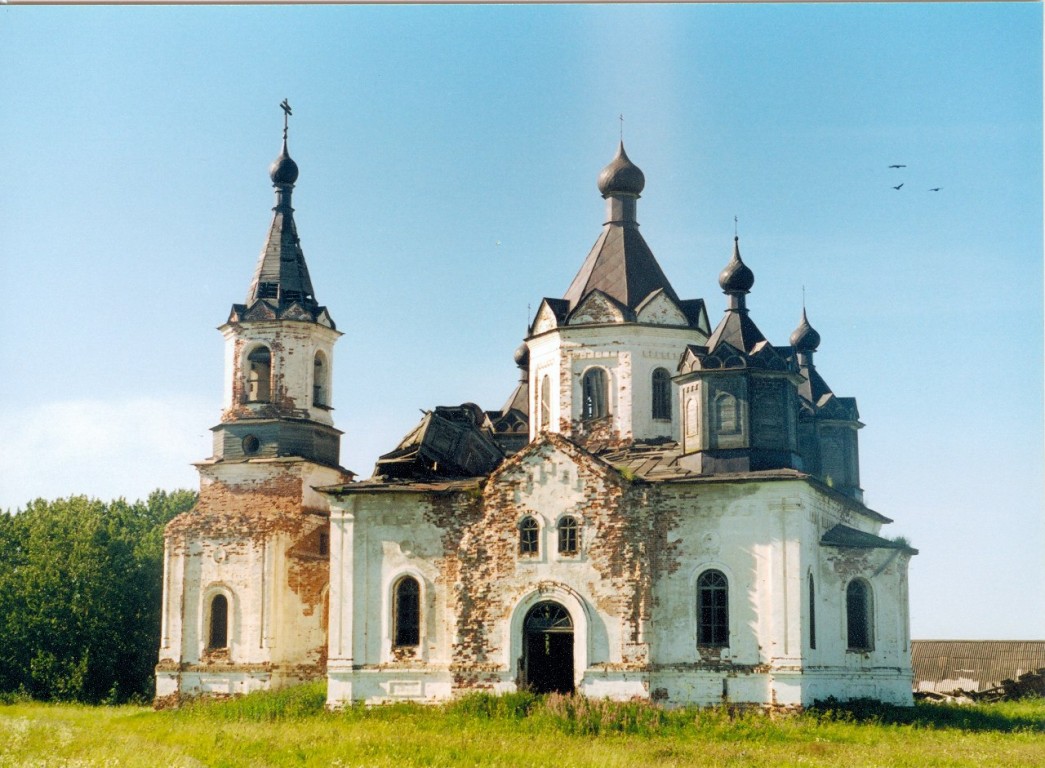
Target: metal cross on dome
{"x":285,"y":106}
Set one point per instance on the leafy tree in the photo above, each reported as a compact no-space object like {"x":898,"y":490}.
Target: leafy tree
{"x":80,"y":592}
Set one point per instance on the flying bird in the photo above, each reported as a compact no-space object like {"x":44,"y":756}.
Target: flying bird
{"x":935,"y":189}
{"x":898,"y":185}
{"x":897,"y":166}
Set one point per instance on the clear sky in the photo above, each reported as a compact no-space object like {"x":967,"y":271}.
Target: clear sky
{"x":448,"y":161}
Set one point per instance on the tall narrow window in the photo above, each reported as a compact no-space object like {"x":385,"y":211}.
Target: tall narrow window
{"x":661,"y":394}
{"x":219,"y":623}
{"x":568,"y":535}
{"x":712,"y":610}
{"x":812,"y":613}
{"x":593,"y":391}
{"x":726,"y":420}
{"x":319,"y":381}
{"x":406,"y":628}
{"x":546,"y":405}
{"x":858,"y":613}
{"x":528,"y":531}
{"x":259,"y":375}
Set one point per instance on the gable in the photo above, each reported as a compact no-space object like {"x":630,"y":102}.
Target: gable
{"x":546,"y":320}
{"x":659,"y":309}
{"x":597,"y":307}
{"x":552,"y":476}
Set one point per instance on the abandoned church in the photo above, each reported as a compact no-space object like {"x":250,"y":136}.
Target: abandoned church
{"x":663,"y":508}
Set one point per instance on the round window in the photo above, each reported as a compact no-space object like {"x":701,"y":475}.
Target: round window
{"x":251,"y":444}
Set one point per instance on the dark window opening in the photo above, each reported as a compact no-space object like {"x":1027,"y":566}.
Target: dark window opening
{"x":219,"y":623}
{"x":528,"y":532}
{"x":568,"y":536}
{"x":812,"y":614}
{"x":593,"y":391}
{"x":259,"y":375}
{"x":858,"y":616}
{"x":407,"y":613}
{"x":661,"y":394}
{"x":712,"y":610}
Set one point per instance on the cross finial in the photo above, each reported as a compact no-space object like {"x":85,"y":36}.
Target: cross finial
{"x":622,"y":127}
{"x":736,"y":225}
{"x":285,"y":106}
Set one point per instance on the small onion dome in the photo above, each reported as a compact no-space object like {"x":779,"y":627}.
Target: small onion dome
{"x":522,"y":356}
{"x":621,"y":176}
{"x":805,"y":338}
{"x":736,"y":277}
{"x":283,"y":169}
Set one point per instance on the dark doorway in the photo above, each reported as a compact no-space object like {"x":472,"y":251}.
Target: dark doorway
{"x":548,"y":649}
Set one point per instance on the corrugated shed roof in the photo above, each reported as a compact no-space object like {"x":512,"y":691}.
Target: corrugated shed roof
{"x":946,"y":665}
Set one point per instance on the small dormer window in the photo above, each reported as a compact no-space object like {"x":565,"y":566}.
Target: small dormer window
{"x":593,"y":392}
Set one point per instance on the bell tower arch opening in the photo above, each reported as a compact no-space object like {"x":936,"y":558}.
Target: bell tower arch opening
{"x":548,"y":649}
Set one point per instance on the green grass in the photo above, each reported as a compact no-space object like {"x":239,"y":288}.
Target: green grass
{"x":292,"y":728}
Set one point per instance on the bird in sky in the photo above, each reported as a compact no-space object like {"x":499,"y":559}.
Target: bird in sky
{"x":935,"y":189}
{"x":898,"y":185}
{"x":897,"y":166}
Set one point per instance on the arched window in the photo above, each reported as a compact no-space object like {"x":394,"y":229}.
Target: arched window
{"x":546,"y":404}
{"x":218,"y":637}
{"x":593,"y":391}
{"x":712,"y":610}
{"x":319,"y":381}
{"x":528,"y":531}
{"x":259,"y":375}
{"x":568,"y":535}
{"x":406,"y":629}
{"x":661,"y":394}
{"x":858,"y":613}
{"x":812,"y":612}
{"x":726,"y":420}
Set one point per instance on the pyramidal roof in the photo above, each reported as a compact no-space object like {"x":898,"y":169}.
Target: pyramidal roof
{"x":621,"y":264}
{"x":281,"y":274}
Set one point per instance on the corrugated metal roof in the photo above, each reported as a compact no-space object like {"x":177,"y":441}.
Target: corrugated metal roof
{"x":972,"y":665}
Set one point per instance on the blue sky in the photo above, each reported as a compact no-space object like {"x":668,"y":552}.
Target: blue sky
{"x":448,"y":161}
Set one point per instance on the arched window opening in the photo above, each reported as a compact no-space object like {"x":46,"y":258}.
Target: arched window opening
{"x":218,"y":637}
{"x":546,"y":405}
{"x":812,"y":612}
{"x":528,"y":532}
{"x":259,"y":375}
{"x":712,"y":610}
{"x":726,"y":416}
{"x":319,"y":381}
{"x":661,"y":394}
{"x":858,"y":613}
{"x":406,"y":630}
{"x":593,"y":391}
{"x":568,"y":536}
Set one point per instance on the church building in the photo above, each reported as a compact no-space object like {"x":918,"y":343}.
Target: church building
{"x":661,"y":509}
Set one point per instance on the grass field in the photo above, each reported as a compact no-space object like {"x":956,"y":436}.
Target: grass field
{"x":291,"y":728}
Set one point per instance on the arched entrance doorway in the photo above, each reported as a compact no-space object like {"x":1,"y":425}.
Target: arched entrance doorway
{"x":548,"y":649}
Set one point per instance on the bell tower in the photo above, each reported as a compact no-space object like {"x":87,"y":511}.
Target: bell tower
{"x":246,"y":572}
{"x":279,"y":349}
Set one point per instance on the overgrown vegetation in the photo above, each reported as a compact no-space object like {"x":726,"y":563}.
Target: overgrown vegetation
{"x":80,"y":593}
{"x":292,"y":727}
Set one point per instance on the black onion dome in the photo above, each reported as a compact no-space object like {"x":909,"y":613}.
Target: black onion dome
{"x":522,"y":356}
{"x":805,"y":338}
{"x":283,"y":169}
{"x":736,"y":277}
{"x":621,"y":176}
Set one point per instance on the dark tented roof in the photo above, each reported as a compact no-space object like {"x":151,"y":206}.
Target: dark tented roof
{"x":622,"y":266}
